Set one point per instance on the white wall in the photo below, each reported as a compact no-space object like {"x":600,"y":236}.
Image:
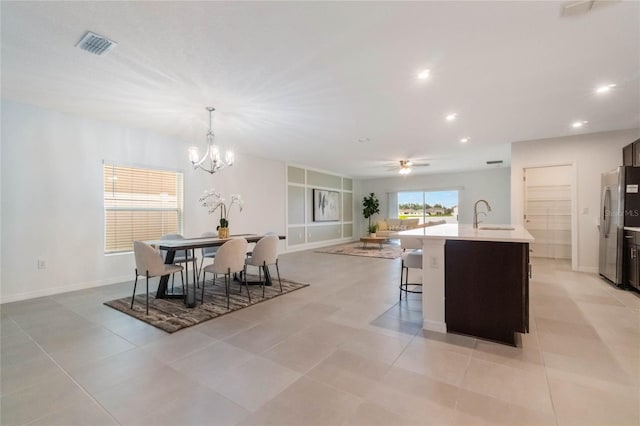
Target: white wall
{"x":592,"y":154}
{"x":52,"y":204}
{"x":492,"y":185}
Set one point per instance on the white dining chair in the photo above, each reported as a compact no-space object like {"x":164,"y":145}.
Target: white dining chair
{"x":149,"y":263}
{"x":229,"y":260}
{"x":265,"y":253}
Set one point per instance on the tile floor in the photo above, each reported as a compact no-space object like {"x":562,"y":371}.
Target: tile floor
{"x":340,"y":352}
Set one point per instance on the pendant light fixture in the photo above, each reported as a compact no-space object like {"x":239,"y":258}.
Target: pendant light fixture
{"x":211,"y":161}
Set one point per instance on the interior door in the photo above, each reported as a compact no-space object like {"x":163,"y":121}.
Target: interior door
{"x":548,"y":210}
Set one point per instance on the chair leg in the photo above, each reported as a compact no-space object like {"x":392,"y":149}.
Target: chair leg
{"x":135,"y":283}
{"x":266,"y":273}
{"x":204,"y":275}
{"x":278,"y":271}
{"x":147,"y":292}
{"x":245,"y":283}
{"x":182,"y":280}
{"x":401,"y":275}
{"x":227,"y":286}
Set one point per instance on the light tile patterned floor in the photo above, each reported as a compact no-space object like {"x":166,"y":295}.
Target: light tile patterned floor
{"x":340,"y":352}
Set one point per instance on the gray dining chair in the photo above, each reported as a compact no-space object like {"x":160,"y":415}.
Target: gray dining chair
{"x":265,"y":253}
{"x":182,"y":256}
{"x":149,"y":263}
{"x":229,"y":260}
{"x":207,"y":252}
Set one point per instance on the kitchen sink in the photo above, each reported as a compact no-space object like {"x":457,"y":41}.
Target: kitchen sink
{"x":497,"y":228}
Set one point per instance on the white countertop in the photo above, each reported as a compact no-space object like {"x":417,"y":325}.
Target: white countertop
{"x":451,"y":231}
{"x":631,"y":228}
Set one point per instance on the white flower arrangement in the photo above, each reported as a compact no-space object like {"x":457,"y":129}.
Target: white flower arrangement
{"x":213,"y":200}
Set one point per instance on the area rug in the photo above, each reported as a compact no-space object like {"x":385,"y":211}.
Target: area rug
{"x":172,"y":315}
{"x":388,"y":250}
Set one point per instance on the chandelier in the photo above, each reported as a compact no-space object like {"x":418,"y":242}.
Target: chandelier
{"x":211,"y":161}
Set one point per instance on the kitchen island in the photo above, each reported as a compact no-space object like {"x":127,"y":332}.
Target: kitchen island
{"x":475,"y":281}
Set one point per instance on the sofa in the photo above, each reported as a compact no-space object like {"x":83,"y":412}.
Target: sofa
{"x":388,"y":227}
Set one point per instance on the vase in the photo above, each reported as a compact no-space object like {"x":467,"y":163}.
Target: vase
{"x":223,"y":232}
{"x":372,"y":234}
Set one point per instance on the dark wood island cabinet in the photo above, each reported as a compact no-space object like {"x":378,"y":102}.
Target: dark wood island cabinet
{"x":487,"y":289}
{"x":475,"y":280}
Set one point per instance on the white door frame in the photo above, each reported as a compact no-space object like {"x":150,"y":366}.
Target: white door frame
{"x":574,"y":203}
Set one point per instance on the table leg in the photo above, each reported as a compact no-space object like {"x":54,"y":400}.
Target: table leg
{"x":189,"y":298}
{"x":161,"y":293}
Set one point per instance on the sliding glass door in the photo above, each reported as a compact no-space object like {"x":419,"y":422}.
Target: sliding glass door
{"x":429,"y":206}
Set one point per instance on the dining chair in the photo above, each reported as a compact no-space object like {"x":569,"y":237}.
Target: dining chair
{"x":207,"y":252}
{"x":249,"y":253}
{"x":182,"y":256}
{"x":265,"y":253}
{"x":149,"y":263}
{"x":411,"y":259}
{"x":229,"y":260}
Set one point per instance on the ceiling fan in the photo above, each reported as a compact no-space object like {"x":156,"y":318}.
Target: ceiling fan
{"x":406,"y":166}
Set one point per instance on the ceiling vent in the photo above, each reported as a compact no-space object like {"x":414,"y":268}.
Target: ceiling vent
{"x":492,"y":162}
{"x":96,"y":44}
{"x":576,"y":8}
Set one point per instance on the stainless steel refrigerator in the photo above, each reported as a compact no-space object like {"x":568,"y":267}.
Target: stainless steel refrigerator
{"x":620,"y":207}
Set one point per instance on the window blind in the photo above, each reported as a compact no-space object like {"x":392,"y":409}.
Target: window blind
{"x":140,"y":204}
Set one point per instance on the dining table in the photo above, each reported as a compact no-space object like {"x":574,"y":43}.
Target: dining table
{"x":186,"y":244}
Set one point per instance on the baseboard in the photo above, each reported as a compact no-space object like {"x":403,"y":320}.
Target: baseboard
{"x":588,"y":269}
{"x":440,"y":327}
{"x":64,"y":289}
{"x":321,"y":244}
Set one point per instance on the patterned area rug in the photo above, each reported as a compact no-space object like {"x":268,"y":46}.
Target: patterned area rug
{"x":388,"y":250}
{"x":172,"y":315}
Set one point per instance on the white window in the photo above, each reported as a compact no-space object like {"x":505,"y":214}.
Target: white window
{"x":429,"y":205}
{"x":140,"y":204}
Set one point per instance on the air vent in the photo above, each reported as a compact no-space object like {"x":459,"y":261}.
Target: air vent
{"x":494,"y":162}
{"x":96,"y":44}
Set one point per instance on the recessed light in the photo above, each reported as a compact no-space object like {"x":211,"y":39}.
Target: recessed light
{"x":578,"y":124}
{"x":465,"y":140}
{"x":605,"y":88}
{"x":424,"y":74}
{"x":451,"y":117}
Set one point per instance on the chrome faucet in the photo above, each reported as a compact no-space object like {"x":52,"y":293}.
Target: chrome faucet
{"x":476,"y":212}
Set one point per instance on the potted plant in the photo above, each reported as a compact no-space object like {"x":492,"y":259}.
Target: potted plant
{"x":372,"y":230}
{"x":213,"y":200}
{"x":371,"y":206}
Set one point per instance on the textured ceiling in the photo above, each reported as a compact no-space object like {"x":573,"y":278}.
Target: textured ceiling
{"x":307,"y":82}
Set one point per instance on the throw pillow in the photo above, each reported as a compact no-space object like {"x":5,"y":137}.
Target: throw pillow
{"x":382,"y":225}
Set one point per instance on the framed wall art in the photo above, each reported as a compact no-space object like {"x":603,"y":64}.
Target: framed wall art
{"x":326,"y":205}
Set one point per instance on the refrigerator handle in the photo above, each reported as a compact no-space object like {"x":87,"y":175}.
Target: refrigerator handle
{"x":606,"y":211}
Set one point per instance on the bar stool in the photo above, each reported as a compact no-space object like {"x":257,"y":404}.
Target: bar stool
{"x":411,"y":258}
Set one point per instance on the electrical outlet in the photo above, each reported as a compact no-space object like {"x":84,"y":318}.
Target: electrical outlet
{"x":433,"y":261}
{"x":42,"y":264}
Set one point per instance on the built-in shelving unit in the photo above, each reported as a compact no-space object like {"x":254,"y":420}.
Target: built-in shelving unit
{"x":548,"y":207}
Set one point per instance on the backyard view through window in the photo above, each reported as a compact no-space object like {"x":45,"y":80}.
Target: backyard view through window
{"x":140,"y":204}
{"x":429,"y":205}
